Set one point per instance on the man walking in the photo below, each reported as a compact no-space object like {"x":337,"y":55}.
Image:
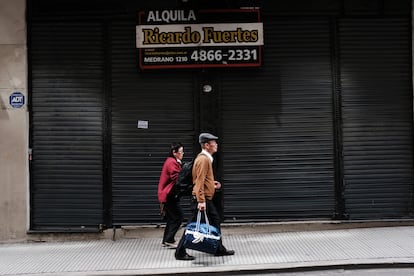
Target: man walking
{"x":203,"y":192}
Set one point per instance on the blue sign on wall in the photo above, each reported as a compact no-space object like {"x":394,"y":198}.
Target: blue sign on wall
{"x":16,"y":100}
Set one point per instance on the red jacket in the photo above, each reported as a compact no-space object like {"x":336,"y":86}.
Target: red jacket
{"x":168,"y":178}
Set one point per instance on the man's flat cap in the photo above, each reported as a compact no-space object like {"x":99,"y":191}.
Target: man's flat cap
{"x":205,"y":137}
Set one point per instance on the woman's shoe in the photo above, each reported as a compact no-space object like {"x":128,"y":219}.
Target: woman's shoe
{"x":170,"y":244}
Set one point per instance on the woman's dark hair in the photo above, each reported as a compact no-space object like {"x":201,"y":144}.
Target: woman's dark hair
{"x":174,"y":148}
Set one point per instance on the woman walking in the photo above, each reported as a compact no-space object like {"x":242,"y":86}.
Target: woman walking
{"x":169,"y":202}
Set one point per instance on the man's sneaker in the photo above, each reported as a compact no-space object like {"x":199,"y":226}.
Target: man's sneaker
{"x":170,"y":244}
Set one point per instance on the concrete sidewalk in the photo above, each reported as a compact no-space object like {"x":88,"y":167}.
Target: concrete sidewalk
{"x":255,"y":252}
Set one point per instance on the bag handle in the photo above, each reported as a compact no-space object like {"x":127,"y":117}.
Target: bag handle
{"x":199,"y":221}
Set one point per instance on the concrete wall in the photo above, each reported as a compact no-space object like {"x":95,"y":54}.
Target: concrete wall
{"x":14,"y":123}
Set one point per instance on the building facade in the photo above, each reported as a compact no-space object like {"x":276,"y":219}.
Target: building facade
{"x":315,"y":120}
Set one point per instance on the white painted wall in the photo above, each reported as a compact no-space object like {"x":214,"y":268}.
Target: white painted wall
{"x":14,"y":123}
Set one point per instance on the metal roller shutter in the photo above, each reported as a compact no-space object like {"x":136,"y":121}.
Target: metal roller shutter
{"x":66,"y":125}
{"x":278,"y":141}
{"x":165,"y":101}
{"x":375,"y":60}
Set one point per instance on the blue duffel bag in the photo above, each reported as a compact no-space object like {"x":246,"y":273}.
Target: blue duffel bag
{"x":202,"y":236}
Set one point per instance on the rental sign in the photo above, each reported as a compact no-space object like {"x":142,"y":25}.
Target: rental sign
{"x":199,"y":39}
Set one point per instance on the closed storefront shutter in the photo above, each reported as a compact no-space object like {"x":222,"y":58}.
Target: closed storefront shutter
{"x":66,"y":125}
{"x":278,"y":142}
{"x":164,"y":101}
{"x":377,"y":117}
{"x":323,"y":129}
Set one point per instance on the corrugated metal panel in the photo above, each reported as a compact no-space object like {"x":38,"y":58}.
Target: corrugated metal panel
{"x":377,"y":116}
{"x":165,"y":100}
{"x":66,"y":124}
{"x":277,"y":144}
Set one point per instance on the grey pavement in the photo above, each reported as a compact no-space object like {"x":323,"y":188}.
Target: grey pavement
{"x":255,"y":253}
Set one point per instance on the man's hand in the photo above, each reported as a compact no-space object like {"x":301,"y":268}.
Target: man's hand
{"x":201,"y":206}
{"x":217,"y":185}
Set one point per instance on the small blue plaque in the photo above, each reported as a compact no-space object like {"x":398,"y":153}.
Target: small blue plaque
{"x":16,"y":99}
